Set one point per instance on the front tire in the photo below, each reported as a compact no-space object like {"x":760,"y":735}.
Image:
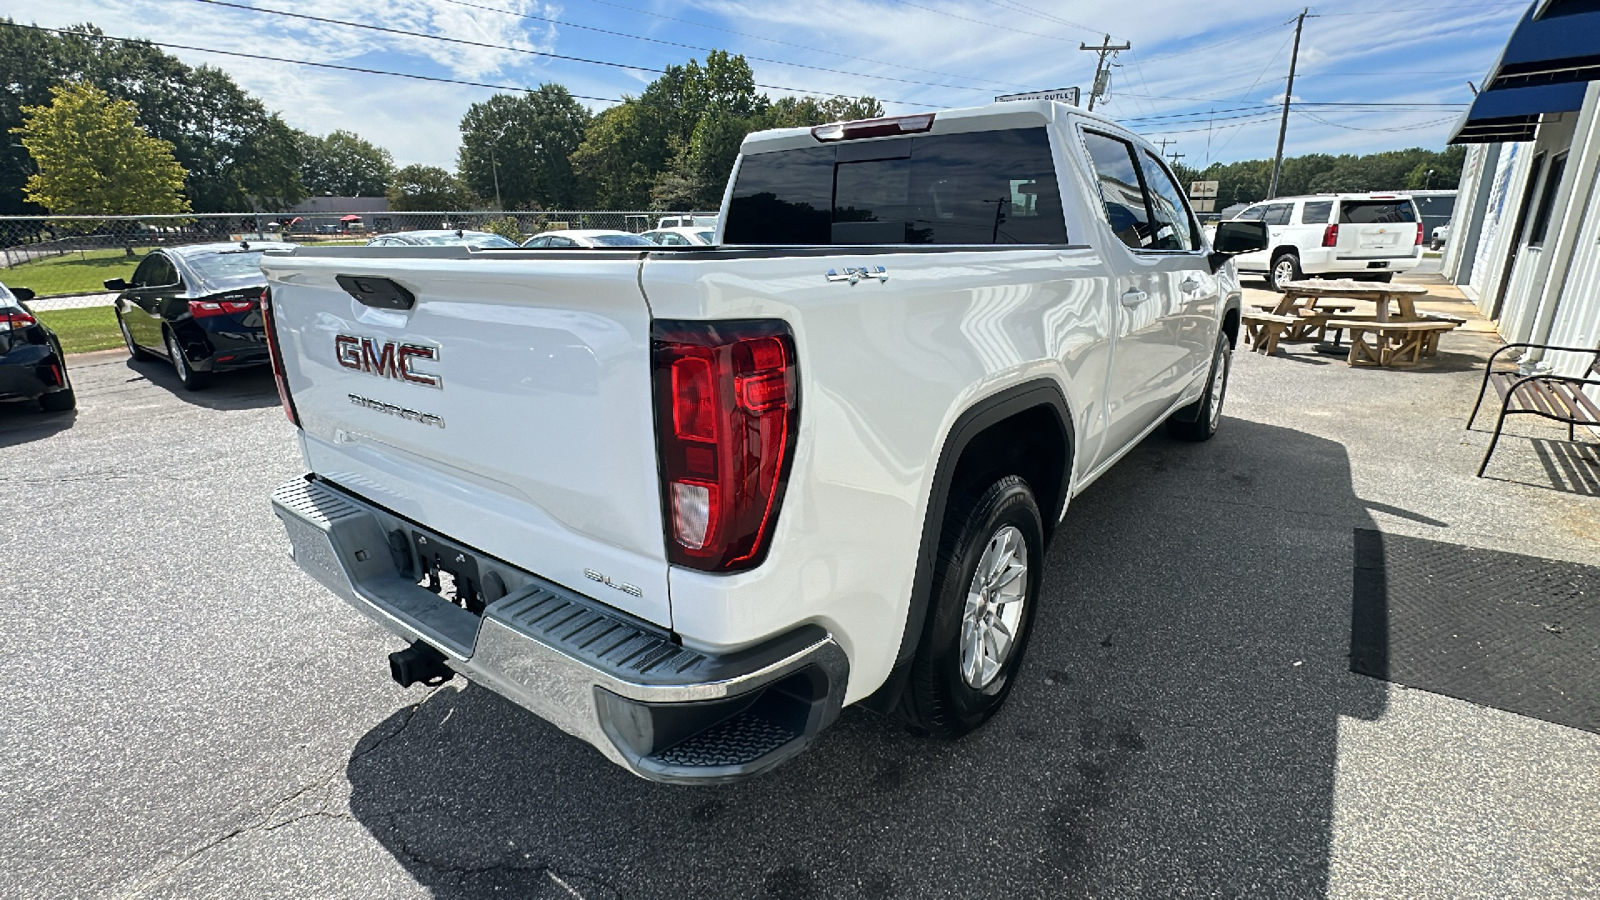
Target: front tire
{"x":985,"y":591}
{"x":192,"y":380}
{"x":1285,"y":268}
{"x":1209,"y":416}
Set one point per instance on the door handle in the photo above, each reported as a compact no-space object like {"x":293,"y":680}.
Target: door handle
{"x":1133,"y":297}
{"x":1190,"y":285}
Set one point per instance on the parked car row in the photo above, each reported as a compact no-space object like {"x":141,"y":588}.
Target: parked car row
{"x":199,"y":307}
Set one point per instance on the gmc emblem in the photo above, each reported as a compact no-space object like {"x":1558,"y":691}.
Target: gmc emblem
{"x":386,"y":359}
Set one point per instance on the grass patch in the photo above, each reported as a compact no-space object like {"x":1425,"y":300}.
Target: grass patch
{"x":75,"y":273}
{"x":82,"y":330}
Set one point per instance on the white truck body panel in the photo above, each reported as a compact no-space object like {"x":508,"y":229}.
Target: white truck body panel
{"x":547,"y":454}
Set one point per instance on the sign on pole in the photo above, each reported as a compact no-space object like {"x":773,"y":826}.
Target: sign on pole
{"x":1204,"y":206}
{"x":1203,"y":190}
{"x":1065,"y":95}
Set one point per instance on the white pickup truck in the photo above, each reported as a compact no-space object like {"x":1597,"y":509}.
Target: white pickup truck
{"x":686,"y":503}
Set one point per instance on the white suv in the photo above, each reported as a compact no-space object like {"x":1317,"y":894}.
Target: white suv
{"x":1366,"y":236}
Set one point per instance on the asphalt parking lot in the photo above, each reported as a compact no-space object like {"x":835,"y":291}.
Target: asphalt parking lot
{"x":187,"y":715}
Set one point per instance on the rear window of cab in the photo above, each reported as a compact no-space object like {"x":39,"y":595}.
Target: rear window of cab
{"x":988,"y":187}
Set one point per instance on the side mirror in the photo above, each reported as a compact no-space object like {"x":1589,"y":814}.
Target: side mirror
{"x":1237,"y":236}
{"x":115,"y":284}
{"x":22,"y":293}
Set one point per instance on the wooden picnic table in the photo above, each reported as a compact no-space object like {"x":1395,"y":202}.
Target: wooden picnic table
{"x":1309,"y":291}
{"x":1401,"y":335}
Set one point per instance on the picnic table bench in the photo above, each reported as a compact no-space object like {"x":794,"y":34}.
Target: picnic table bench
{"x":1395,"y":336}
{"x":1550,"y":396}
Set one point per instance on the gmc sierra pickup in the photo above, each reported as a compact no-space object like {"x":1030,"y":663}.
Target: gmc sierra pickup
{"x":686,"y":503}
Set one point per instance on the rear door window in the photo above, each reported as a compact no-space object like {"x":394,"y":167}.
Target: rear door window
{"x":990,"y":187}
{"x":1319,"y":212}
{"x":1121,"y":191}
{"x":1376,"y":212}
{"x":1278,"y":214}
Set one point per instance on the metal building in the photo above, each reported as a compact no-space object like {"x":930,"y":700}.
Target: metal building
{"x":1525,"y":241}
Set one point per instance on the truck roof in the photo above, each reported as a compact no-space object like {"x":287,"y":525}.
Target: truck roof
{"x":989,"y":117}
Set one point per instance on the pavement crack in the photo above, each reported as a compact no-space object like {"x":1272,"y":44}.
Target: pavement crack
{"x":266,"y":822}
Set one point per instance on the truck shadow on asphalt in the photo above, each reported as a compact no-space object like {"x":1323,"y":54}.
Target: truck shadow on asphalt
{"x":243,"y":389}
{"x":1174,"y":731}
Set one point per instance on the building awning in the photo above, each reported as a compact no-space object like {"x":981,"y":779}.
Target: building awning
{"x":1512,"y":114}
{"x":1551,"y":57}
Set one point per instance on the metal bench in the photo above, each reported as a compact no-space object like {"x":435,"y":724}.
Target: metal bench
{"x":1549,"y":396}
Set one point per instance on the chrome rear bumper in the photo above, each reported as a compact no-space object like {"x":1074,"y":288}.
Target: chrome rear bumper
{"x":664,"y":711}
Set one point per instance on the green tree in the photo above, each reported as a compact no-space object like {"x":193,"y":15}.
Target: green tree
{"x":673,"y":146}
{"x":94,"y":159}
{"x":525,"y":142}
{"x":622,"y":152}
{"x":235,"y":151}
{"x":344,"y":165}
{"x":428,"y":188}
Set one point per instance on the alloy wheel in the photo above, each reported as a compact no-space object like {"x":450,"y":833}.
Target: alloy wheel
{"x":993,"y":615}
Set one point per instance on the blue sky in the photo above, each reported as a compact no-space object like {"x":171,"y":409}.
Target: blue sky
{"x":1207,"y":82}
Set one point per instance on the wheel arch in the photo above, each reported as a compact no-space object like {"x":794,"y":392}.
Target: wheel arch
{"x":1031,"y":425}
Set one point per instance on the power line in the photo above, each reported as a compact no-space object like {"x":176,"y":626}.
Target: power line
{"x":757,"y":37}
{"x":503,"y":48}
{"x":1048,"y":17}
{"x":640,"y":37}
{"x":297,"y":62}
{"x":940,"y":12}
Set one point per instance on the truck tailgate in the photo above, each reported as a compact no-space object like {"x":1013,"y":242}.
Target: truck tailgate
{"x":508,"y":409}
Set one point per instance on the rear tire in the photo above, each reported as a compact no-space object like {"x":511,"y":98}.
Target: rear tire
{"x":135,"y":352}
{"x":1209,"y":416}
{"x":985,"y":591}
{"x":1285,"y":268}
{"x":192,"y":380}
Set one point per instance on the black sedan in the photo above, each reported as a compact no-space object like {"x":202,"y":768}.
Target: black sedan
{"x":32,"y":366}
{"x":197,"y":306}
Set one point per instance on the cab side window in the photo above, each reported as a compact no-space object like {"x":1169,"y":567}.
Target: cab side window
{"x":1318,"y":212}
{"x":1121,"y":190}
{"x":1175,"y":228}
{"x":1253,"y":214}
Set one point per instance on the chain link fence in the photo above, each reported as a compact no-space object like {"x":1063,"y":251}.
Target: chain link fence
{"x":63,"y":257}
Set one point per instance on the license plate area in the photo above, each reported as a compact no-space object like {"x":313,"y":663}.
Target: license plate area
{"x":448,"y":570}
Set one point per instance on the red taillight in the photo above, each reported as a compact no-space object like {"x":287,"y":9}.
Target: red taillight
{"x":201,"y":309}
{"x":1330,"y":236}
{"x":727,"y":410}
{"x":10,"y":320}
{"x":1419,"y":234}
{"x":275,"y":353}
{"x":868,"y":128}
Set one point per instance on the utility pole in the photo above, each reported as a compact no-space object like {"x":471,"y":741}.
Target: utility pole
{"x":1106,"y":50}
{"x":1283,"y":124}
{"x":1164,"y":142}
{"x":1175,"y":157}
